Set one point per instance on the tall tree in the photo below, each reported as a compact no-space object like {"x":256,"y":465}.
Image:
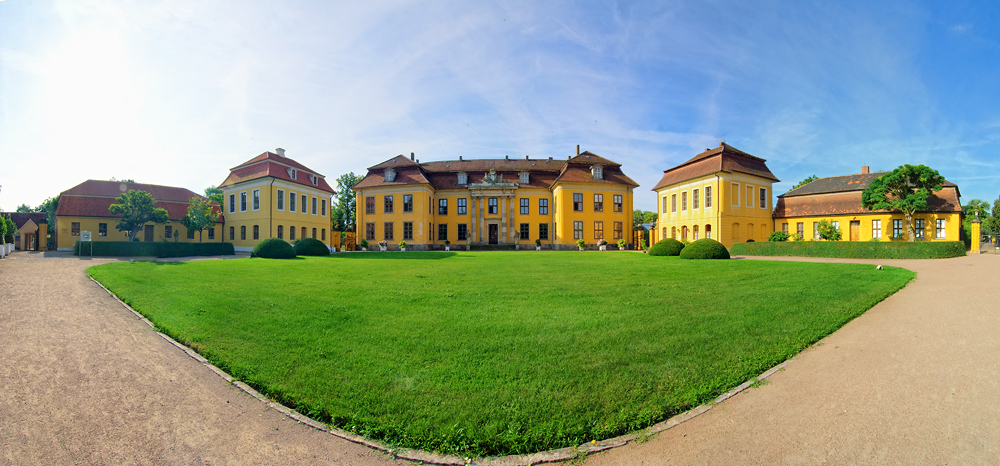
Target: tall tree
{"x":971,"y":210}
{"x":137,"y":209}
{"x":124,"y":180}
{"x":993,"y":223}
{"x":200,"y":217}
{"x":214,"y":193}
{"x":904,"y":189}
{"x":24,"y":208}
{"x":643,"y":216}
{"x":806,"y":181}
{"x":344,"y":214}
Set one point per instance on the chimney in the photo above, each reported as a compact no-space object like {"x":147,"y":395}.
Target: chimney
{"x":525,"y":157}
{"x":864,"y":169}
{"x":411,"y":156}
{"x":506,"y":157}
{"x":280,"y":151}
{"x":577,"y":149}
{"x":459,"y":158}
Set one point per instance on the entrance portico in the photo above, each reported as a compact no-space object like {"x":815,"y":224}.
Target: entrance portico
{"x":492,"y":210}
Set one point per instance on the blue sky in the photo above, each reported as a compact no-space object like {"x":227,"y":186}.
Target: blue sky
{"x":177,"y":92}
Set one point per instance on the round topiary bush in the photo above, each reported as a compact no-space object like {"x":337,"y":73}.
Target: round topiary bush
{"x":666,"y":247}
{"x":311,"y":247}
{"x":273,"y":248}
{"x":705,"y":248}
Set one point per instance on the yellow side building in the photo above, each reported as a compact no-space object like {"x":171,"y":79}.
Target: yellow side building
{"x":495,"y":202}
{"x":838,"y":199}
{"x":722,"y":193}
{"x":273,"y":196}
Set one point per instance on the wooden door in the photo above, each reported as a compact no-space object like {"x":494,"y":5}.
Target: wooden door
{"x":147,"y":233}
{"x":494,"y":233}
{"x":855,"y":230}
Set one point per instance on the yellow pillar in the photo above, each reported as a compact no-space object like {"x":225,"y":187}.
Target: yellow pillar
{"x":976,"y":236}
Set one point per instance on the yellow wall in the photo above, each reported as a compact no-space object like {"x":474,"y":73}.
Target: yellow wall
{"x":421,"y":216}
{"x":565,"y":216}
{"x":730,"y":215}
{"x":953,"y":225}
{"x":268,"y":217}
{"x":66,"y":240}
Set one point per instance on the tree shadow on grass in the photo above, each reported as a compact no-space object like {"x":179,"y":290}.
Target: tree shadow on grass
{"x":393,"y":255}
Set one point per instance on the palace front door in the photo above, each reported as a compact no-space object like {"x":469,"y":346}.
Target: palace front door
{"x":494,"y":233}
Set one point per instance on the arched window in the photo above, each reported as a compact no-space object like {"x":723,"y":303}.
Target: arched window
{"x":232,"y":233}
{"x":664,"y":232}
{"x":303,"y":232}
{"x":736,"y":232}
{"x":684,"y":233}
{"x":291,"y":233}
{"x":708,"y":231}
{"x":673,"y":232}
{"x":281,"y":232}
{"x":256,"y":232}
{"x":694,"y":234}
{"x":322,"y":234}
{"x":314,"y":233}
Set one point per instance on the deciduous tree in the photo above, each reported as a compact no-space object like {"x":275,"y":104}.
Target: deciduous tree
{"x":904,"y":189}
{"x":343,"y":214}
{"x":214,"y":193}
{"x":200,"y":217}
{"x":137,"y":209}
{"x":806,"y":181}
{"x":24,"y":208}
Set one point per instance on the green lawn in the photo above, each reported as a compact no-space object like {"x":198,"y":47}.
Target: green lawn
{"x":490,"y":353}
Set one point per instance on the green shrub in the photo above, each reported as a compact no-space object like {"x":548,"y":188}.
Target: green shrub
{"x":152,"y":249}
{"x":311,"y":247}
{"x":621,"y":244}
{"x":273,"y":248}
{"x":666,"y":247}
{"x":778,"y":236}
{"x":364,"y":244}
{"x":706,"y":248}
{"x":855,"y":249}
{"x":829,"y":232}
{"x":580,"y":243}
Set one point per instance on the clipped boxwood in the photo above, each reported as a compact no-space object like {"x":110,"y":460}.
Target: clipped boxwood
{"x":705,"y":248}
{"x":311,"y":247}
{"x":855,"y":249}
{"x":666,"y":247}
{"x":153,"y":249}
{"x":273,"y":248}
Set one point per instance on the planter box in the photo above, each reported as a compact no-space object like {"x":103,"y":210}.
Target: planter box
{"x":447,"y":248}
{"x":538,"y":248}
{"x":381,"y":249}
{"x":604,"y":248}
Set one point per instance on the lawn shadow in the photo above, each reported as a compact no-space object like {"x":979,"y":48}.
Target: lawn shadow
{"x":417,"y":255}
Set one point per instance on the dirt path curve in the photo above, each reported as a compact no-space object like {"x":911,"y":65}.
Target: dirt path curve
{"x":915,"y":380}
{"x":85,"y":382}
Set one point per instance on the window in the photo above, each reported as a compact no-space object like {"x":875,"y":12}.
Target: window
{"x":305,"y":202}
{"x":735,"y":193}
{"x":919,"y":228}
{"x":387,"y":203}
{"x":694,"y":199}
{"x":940,"y":228}
{"x":243,"y":201}
{"x":525,"y":206}
{"x":387,"y":231}
{"x":708,"y":202}
{"x":463,"y":178}
{"x":232,"y":203}
{"x":407,"y":203}
{"x":897,"y":228}
{"x":442,"y":206}
{"x":665,"y":232}
{"x":736,"y":230}
{"x":598,"y":230}
{"x":664,"y":204}
{"x":598,"y":203}
{"x":256,"y":232}
{"x":617,"y":203}
{"x":694,"y":232}
{"x":75,"y":229}
{"x":618,"y":230}
{"x":463,"y":231}
{"x":390,"y":174}
{"x":784,"y":228}
{"x":708,"y":228}
{"x":211,"y":233}
{"x":749,"y":196}
{"x":291,"y":233}
{"x":836,"y":225}
{"x":442,"y":232}
{"x":407,"y":230}
{"x":281,"y":232}
{"x":491,"y":207}
{"x":763,"y":198}
{"x":673,"y":203}
{"x":800,"y":229}
{"x":815,"y":230}
{"x":673,"y":232}
{"x":684,"y":233}
{"x":369,"y":231}
{"x":102,"y":230}
{"x":256,"y":199}
{"x":281,"y":199}
{"x":190,"y":233}
{"x":462,"y":208}
{"x":322,"y":207}
{"x":322,"y":234}
{"x":577,"y":230}
{"x":543,"y":207}
{"x":876,"y":229}
{"x":293,"y":173}
{"x":684,"y":201}
{"x":369,"y":204}
{"x":303,"y":232}
{"x":524,"y":178}
{"x":577,"y":202}
{"x":597,"y":171}
{"x":314,"y":205}
{"x":291,"y":202}
{"x":430,"y":207}
{"x":543,"y":231}
{"x":525,"y":230}
{"x":243,"y":232}
{"x":314,"y":233}
{"x":232,"y":233}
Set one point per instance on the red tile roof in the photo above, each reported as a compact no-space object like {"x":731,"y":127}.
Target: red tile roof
{"x":20,"y":218}
{"x":273,"y":165}
{"x":724,"y":158}
{"x":92,"y":198}
{"x":849,"y":203}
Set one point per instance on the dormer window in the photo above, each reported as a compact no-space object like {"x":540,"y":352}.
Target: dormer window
{"x":524,"y":178}
{"x":314,"y":179}
{"x":390,"y":174}
{"x":597,"y":172}
{"x":463,"y":178}
{"x":292,"y":173}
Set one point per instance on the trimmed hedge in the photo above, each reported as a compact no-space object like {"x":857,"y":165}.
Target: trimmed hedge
{"x":666,"y":247}
{"x":155,"y":249}
{"x":273,"y":248}
{"x":311,"y":247}
{"x":705,"y":248}
{"x":854,"y":249}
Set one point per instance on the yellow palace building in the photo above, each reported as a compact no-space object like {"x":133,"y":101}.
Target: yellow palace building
{"x":273,"y":196}
{"x":722,"y":193}
{"x":495,"y":202}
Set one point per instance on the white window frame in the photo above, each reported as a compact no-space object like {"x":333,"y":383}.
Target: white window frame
{"x":708,"y":197}
{"x":695,"y":205}
{"x":292,"y":200}
{"x":305,"y":202}
{"x":243,"y":201}
{"x":766,"y":198}
{"x":232,"y":203}
{"x":256,"y":200}
{"x":877,"y":229}
{"x":749,"y":201}
{"x":940,"y":228}
{"x":280,"y":206}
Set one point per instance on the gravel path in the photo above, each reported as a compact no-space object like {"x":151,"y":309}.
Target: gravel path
{"x":915,"y":380}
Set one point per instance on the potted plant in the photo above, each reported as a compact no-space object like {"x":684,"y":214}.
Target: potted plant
{"x":383,"y":245}
{"x":580,"y":243}
{"x":402,"y":246}
{"x":621,"y":244}
{"x":602,"y":245}
{"x":538,"y":244}
{"x":642,"y":244}
{"x":364,"y":245}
